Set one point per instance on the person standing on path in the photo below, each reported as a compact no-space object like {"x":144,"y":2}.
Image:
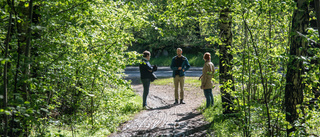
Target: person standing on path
{"x":206,"y":78}
{"x":179,"y":65}
{"x":146,"y":71}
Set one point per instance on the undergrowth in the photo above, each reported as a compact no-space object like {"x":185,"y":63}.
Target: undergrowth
{"x":231,"y":125}
{"x":116,"y":106}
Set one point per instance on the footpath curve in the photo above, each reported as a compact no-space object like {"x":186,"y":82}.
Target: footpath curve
{"x":164,"y":118}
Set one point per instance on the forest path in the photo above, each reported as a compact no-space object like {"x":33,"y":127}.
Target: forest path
{"x":165,"y":118}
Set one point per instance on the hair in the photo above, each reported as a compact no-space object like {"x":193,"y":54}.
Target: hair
{"x":207,"y":56}
{"x":179,"y":49}
{"x":146,"y":53}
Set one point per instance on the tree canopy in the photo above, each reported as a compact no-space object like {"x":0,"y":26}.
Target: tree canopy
{"x":62,"y":61}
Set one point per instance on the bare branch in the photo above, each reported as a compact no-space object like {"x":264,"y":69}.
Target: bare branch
{"x":314,"y":43}
{"x":60,"y":12}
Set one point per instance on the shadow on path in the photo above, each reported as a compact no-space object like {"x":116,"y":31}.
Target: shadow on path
{"x":164,"y":107}
{"x":200,"y":131}
{"x":189,"y":116}
{"x":164,"y":118}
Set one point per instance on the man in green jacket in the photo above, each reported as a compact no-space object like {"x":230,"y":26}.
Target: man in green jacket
{"x":179,"y":65}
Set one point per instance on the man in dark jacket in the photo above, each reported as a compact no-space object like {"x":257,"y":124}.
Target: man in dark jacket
{"x":146,"y":71}
{"x":179,"y":65}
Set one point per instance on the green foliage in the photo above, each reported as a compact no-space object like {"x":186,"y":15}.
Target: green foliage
{"x":78,"y":55}
{"x":72,"y":80}
{"x":232,"y":124}
{"x":117,"y":106}
{"x":260,"y":33}
{"x":195,"y":60}
{"x":172,"y":25}
{"x":222,"y":125}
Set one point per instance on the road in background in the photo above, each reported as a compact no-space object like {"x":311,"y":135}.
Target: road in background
{"x":162,"y":72}
{"x":133,"y":73}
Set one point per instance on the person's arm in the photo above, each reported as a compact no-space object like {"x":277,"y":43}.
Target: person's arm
{"x":187,"y":66}
{"x":204,"y":76}
{"x":154,"y":68}
{"x":213,"y":69}
{"x":200,"y":77}
{"x":149,"y":67}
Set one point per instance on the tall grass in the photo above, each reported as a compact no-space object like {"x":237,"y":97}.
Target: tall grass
{"x":115,"y":107}
{"x":222,"y":125}
{"x":231,"y":125}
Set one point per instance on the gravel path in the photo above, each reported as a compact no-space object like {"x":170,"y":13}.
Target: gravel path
{"x":166,"y":119}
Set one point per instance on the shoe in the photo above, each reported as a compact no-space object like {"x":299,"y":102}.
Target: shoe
{"x":181,"y":101}
{"x":148,"y":107}
{"x":204,"y":109}
{"x":176,"y":101}
{"x":144,"y":108}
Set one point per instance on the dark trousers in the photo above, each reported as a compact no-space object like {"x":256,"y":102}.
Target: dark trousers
{"x":209,"y":97}
{"x":146,"y":85}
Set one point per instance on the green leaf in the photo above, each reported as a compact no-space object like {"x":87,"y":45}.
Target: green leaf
{"x":91,"y":95}
{"x":8,"y":113}
{"x":45,"y":110}
{"x":3,"y":61}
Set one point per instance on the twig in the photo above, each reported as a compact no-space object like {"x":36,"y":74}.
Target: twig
{"x":68,"y":9}
{"x":317,"y":45}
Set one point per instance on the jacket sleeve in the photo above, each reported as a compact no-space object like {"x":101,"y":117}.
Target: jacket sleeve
{"x":149,"y":67}
{"x":145,"y":66}
{"x":213,"y":70}
{"x":172,"y":66}
{"x":187,"y":65}
{"x":204,"y":75}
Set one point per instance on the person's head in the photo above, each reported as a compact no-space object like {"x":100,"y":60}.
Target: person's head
{"x":179,"y":51}
{"x":207,"y":56}
{"x":146,"y":54}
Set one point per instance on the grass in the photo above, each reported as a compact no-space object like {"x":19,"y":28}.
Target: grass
{"x":117,"y":106}
{"x":169,"y":81}
{"x":195,"y":60}
{"x":224,"y":125}
{"x":126,"y":103}
{"x":120,"y":107}
{"x":232,"y":125}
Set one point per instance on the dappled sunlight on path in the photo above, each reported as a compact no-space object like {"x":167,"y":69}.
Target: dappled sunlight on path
{"x":165,"y":119}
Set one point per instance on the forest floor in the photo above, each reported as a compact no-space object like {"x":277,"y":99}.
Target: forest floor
{"x":166,"y":119}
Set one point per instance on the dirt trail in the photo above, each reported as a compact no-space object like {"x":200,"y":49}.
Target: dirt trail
{"x":166,"y":119}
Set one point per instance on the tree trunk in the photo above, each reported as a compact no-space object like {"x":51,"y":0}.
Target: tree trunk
{"x":27,"y":60}
{"x":225,"y":65}
{"x":26,"y":71}
{"x":5,"y":76}
{"x":294,"y":87}
{"x":317,"y":10}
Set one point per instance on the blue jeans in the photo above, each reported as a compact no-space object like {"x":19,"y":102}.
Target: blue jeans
{"x":146,"y":85}
{"x":209,"y":96}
